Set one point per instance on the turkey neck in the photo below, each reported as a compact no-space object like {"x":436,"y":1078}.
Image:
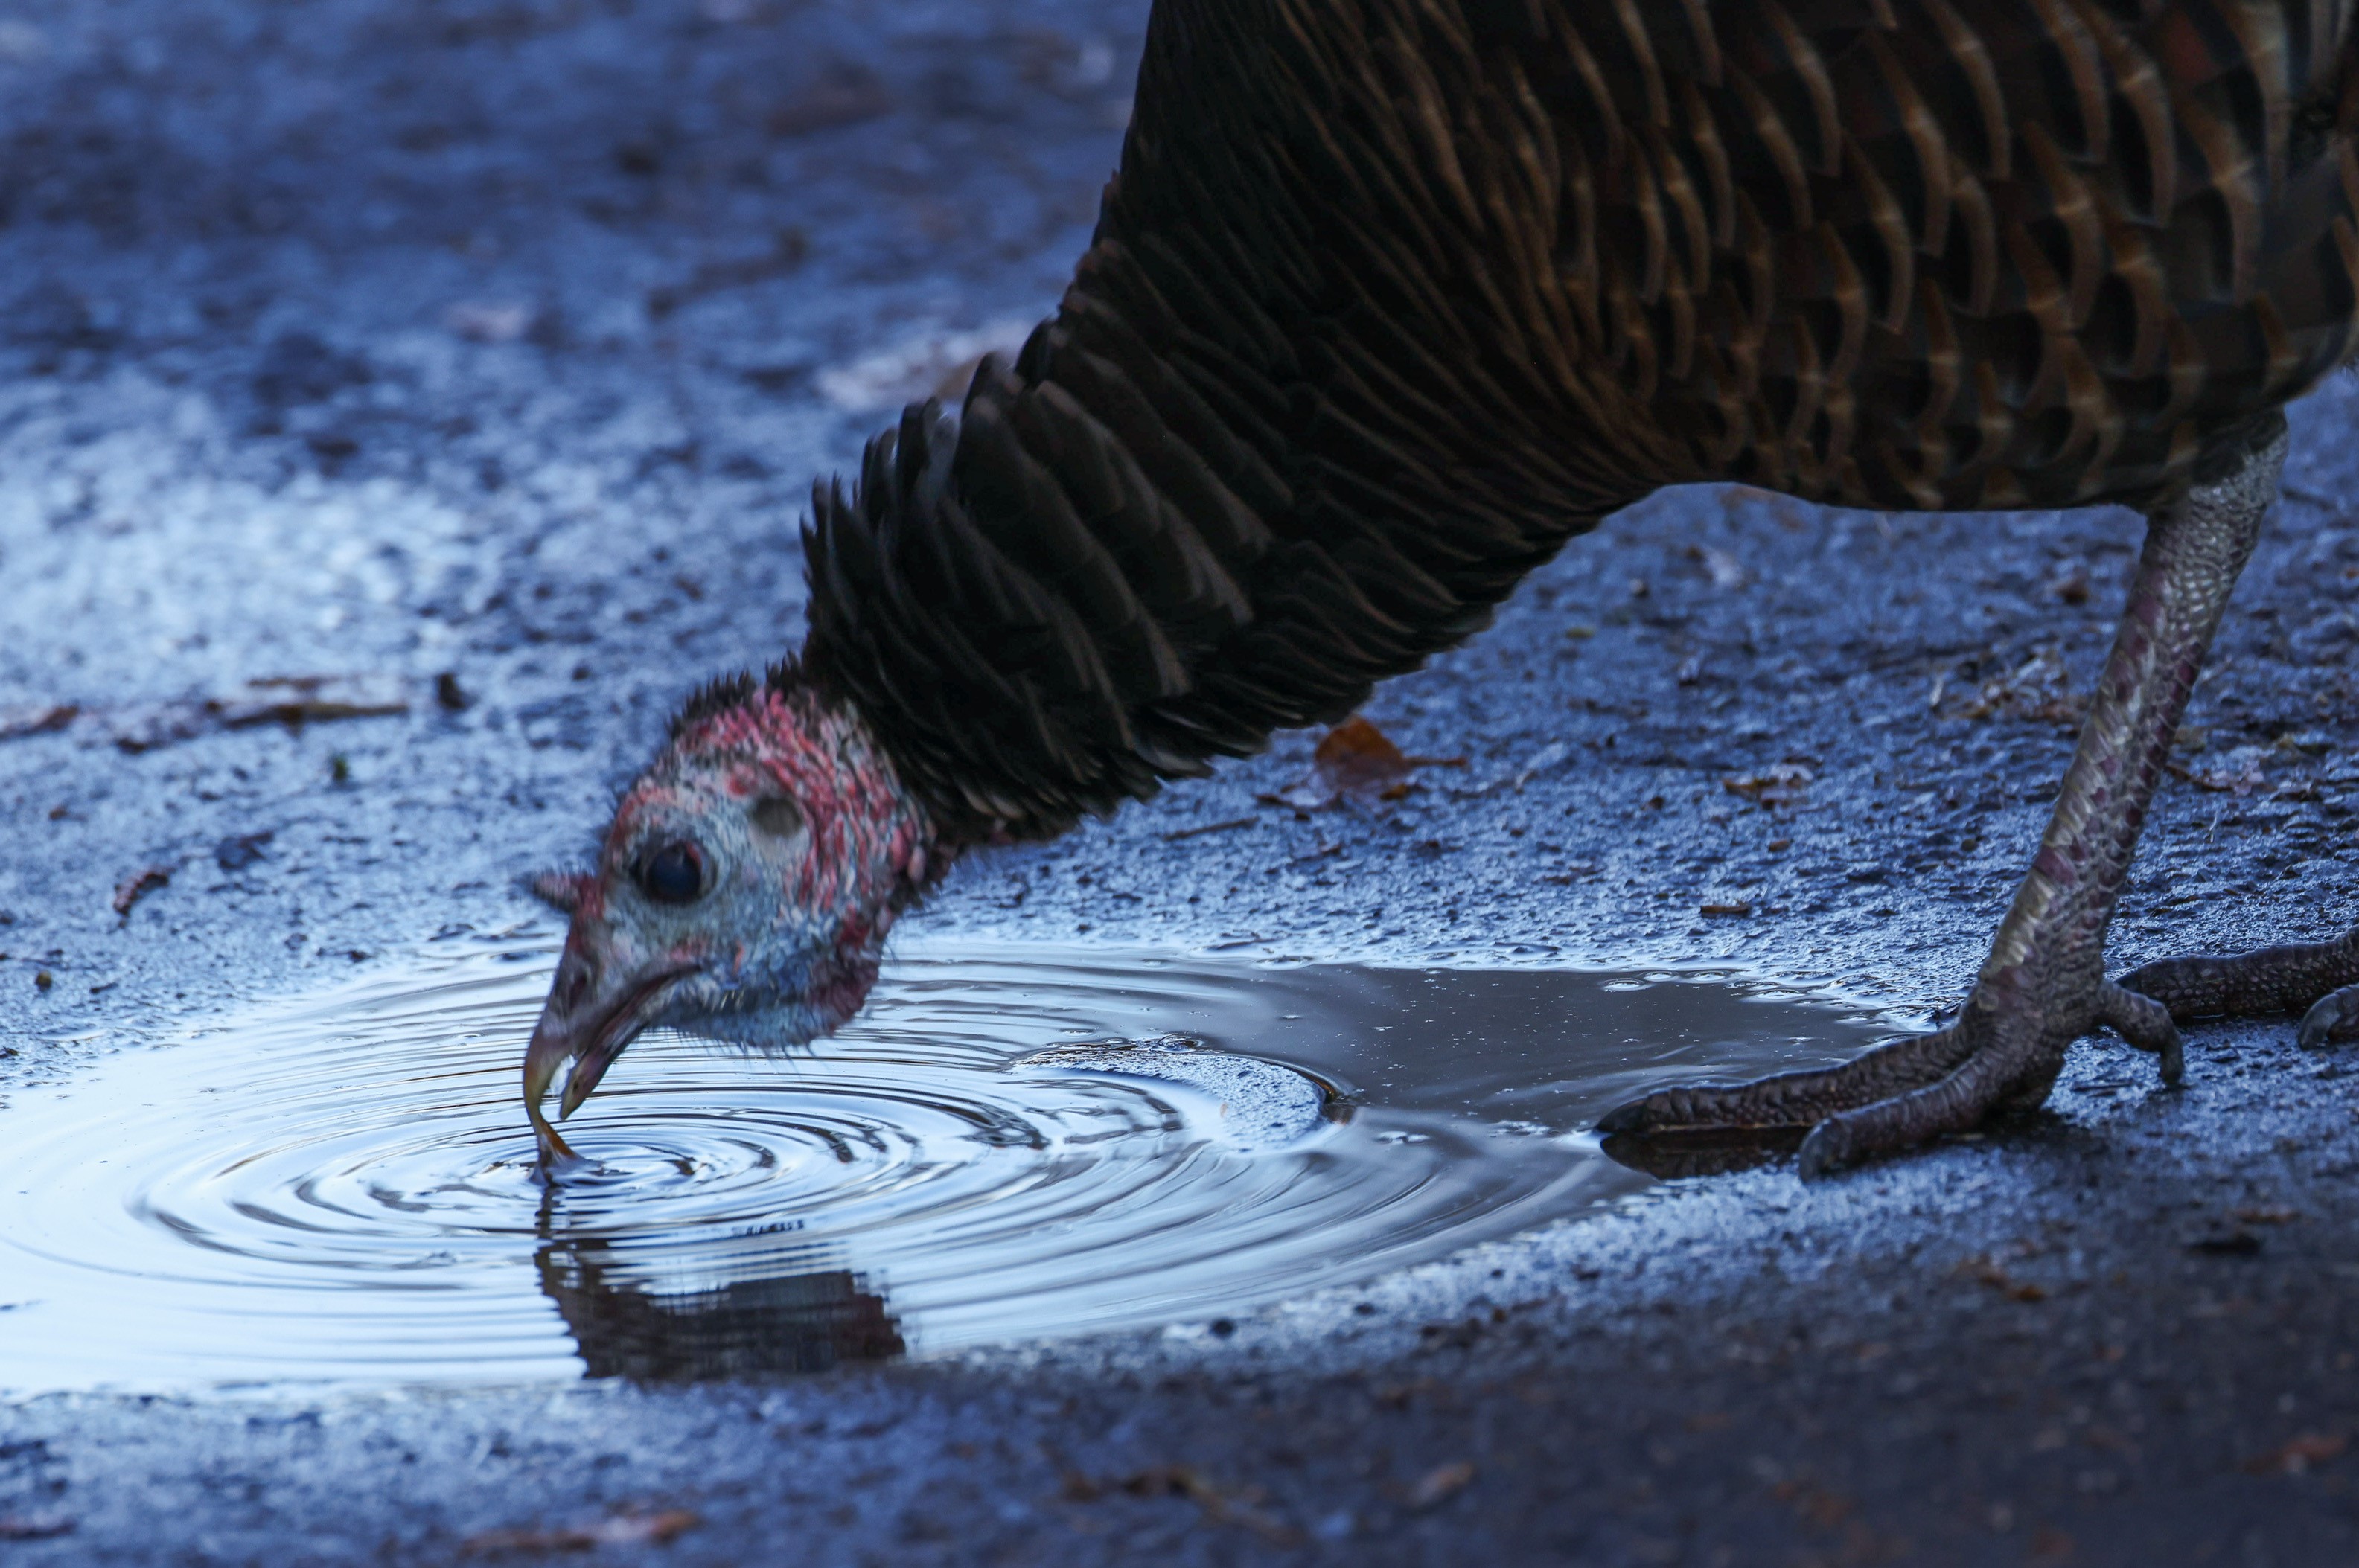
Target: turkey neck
{"x":1299,"y":423}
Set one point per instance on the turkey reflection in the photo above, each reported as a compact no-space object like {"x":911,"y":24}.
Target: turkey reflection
{"x":653,"y":1317}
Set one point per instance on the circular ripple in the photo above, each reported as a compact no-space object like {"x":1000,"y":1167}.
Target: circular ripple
{"x":346,"y":1190}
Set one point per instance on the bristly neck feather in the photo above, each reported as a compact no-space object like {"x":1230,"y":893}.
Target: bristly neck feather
{"x":1245,"y":474}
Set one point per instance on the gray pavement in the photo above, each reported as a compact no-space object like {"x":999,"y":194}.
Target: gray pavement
{"x":389,"y":340}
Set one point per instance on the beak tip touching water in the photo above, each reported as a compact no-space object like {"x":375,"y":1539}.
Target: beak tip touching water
{"x":540,"y":1067}
{"x":591,"y":1034}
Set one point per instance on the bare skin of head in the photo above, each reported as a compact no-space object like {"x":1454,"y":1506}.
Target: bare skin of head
{"x":744,"y":889}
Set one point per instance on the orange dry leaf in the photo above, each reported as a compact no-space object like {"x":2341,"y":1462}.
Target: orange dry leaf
{"x":1357,"y":761}
{"x":1784,"y":785}
{"x":138,"y":885}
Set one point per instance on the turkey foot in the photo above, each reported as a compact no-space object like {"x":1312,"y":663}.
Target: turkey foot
{"x":2004,"y":1049}
{"x":2318,"y":980}
{"x":2042,"y":986}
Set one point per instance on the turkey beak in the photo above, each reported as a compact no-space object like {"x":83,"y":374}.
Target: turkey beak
{"x":596,"y":1007}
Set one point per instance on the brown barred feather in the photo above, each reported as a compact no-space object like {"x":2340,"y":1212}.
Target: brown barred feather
{"x":1392,"y":298}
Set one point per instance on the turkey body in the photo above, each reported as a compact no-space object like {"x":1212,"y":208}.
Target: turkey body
{"x":1389,"y":298}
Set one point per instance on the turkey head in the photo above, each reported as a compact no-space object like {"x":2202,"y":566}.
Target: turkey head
{"x":743,"y":891}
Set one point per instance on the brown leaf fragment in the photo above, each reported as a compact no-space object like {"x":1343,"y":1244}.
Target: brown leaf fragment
{"x":296,"y":700}
{"x":1356,"y":754}
{"x":1357,"y":761}
{"x":1441,"y":1483}
{"x":1734,"y":909}
{"x":654,"y":1529}
{"x":291,"y":700}
{"x":39,"y":718}
{"x":1784,"y":785}
{"x":2298,"y":1453}
{"x":34,"y":1527}
{"x":138,"y":885}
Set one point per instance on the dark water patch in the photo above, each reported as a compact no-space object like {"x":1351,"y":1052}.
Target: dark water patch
{"x":1012,"y":1142}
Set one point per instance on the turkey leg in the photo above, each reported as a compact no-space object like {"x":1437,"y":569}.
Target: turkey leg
{"x":2043,"y":986}
{"x":2319,"y":977}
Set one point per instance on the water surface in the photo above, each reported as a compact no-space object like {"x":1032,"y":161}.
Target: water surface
{"x":343,"y":1190}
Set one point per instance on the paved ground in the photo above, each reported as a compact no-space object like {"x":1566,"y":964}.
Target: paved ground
{"x":390,"y":339}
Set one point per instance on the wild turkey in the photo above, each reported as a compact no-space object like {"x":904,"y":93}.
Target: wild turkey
{"x":1389,"y":299}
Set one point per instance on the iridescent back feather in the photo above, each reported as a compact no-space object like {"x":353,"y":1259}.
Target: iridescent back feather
{"x":1391,"y":298}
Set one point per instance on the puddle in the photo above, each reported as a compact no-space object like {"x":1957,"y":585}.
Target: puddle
{"x":343,"y":1191}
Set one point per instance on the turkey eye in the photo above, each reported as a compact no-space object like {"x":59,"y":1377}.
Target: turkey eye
{"x":673,"y":874}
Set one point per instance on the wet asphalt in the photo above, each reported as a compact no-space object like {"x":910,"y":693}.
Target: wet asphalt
{"x":478,"y":356}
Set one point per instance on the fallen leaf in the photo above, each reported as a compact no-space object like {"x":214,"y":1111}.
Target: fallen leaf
{"x":1357,"y":761}
{"x":34,"y":1527}
{"x":2298,"y":1453}
{"x":138,"y":885}
{"x":656,"y":1528}
{"x":1726,"y":909}
{"x":1784,"y":785}
{"x":293,"y":701}
{"x":40,"y":718}
{"x":1440,"y":1483}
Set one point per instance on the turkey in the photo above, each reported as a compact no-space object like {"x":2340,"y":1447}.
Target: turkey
{"x":1390,"y":298}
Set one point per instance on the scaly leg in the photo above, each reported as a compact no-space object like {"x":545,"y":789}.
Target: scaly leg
{"x":2043,"y":986}
{"x":2318,"y":980}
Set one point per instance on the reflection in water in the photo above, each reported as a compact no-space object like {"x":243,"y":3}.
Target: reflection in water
{"x":1677,"y":1156}
{"x":628,"y":1326}
{"x":343,"y":1190}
